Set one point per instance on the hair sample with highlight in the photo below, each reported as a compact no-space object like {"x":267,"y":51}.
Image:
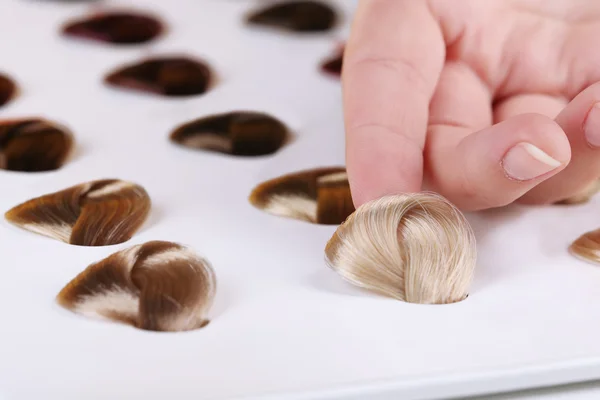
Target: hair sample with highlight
{"x":157,"y":286}
{"x":587,"y":247}
{"x":417,"y":248}
{"x":319,"y":196}
{"x":97,"y":213}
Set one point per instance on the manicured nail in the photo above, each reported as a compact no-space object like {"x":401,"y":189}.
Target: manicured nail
{"x":591,"y":126}
{"x":526,"y":161}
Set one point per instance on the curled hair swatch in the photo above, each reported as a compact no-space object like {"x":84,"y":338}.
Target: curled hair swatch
{"x":320,"y":196}
{"x":587,"y":247}
{"x":295,"y":16}
{"x":33,"y":145}
{"x":157,"y":286}
{"x":582,"y":197}
{"x":8,"y":88}
{"x":97,"y":213}
{"x":240,"y":133}
{"x":416,"y":248}
{"x":164,"y":76}
{"x":333,"y":65}
{"x":115,"y":27}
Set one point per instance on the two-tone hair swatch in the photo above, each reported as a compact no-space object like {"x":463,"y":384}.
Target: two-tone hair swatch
{"x":116,"y":27}
{"x":96,"y":213}
{"x":320,"y":196}
{"x":164,"y":76}
{"x":33,"y":145}
{"x":416,"y":248}
{"x":239,"y":133}
{"x":8,"y":88}
{"x":158,"y":286}
{"x":295,"y":16}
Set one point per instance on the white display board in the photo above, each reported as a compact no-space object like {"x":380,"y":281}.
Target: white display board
{"x":283,"y":326}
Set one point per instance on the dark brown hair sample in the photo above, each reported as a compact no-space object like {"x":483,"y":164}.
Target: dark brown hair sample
{"x":296,"y":16}
{"x":240,"y":133}
{"x":33,"y":145}
{"x":7,"y":89}
{"x":97,"y":213}
{"x":334,"y":64}
{"x":156,"y":286}
{"x":320,"y":196}
{"x":117,"y":27}
{"x":166,"y":76}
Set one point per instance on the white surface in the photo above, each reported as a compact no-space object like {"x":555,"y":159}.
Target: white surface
{"x":283,"y":324}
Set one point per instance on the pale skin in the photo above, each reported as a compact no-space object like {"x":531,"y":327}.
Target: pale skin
{"x":485,"y":102}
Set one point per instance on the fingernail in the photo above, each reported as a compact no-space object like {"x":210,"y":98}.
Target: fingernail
{"x":591,"y":126}
{"x":526,"y":161}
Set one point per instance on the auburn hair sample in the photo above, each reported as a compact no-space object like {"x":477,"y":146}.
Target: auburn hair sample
{"x":417,"y":248}
{"x":33,"y":145}
{"x":295,"y":16}
{"x":333,"y":65}
{"x":116,"y":27}
{"x":239,"y":133}
{"x":96,"y":213}
{"x":319,"y":196}
{"x":8,"y":88}
{"x":155,"y":286}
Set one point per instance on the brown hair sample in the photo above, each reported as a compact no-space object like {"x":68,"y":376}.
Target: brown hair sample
{"x":333,"y":65}
{"x":7,"y":89}
{"x":416,"y":248}
{"x":239,"y":133}
{"x":296,"y":16}
{"x":165,"y":76}
{"x":97,"y":213}
{"x":156,"y":286}
{"x":320,"y":196}
{"x":582,"y":197}
{"x":587,"y":247}
{"x":33,"y":145}
{"x":116,"y":27}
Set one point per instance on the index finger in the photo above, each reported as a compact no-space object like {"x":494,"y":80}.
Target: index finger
{"x":392,"y":62}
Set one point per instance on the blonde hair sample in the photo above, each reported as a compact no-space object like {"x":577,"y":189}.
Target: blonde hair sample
{"x":319,"y":196}
{"x":33,"y":145}
{"x":97,"y":213}
{"x":417,"y":248}
{"x":158,"y":286}
{"x":587,"y":247}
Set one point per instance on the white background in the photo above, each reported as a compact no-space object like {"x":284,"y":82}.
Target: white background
{"x":282,"y":323}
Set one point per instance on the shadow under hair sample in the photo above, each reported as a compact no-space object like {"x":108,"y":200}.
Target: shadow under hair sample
{"x":155,"y":286}
{"x":116,"y":27}
{"x":320,"y":196}
{"x":417,"y":248}
{"x":239,"y":133}
{"x":165,"y":76}
{"x":334,"y":64}
{"x":33,"y":145}
{"x":8,"y":88}
{"x":295,"y":16}
{"x":97,"y":213}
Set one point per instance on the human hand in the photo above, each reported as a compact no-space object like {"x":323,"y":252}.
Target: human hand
{"x":486,"y":102}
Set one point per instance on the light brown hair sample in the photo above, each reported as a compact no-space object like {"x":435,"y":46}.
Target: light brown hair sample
{"x":587,"y":247}
{"x":319,"y":196}
{"x":97,"y":213}
{"x":33,"y":145}
{"x":582,"y":197}
{"x":416,"y":248}
{"x":157,"y":286}
{"x":239,"y":133}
